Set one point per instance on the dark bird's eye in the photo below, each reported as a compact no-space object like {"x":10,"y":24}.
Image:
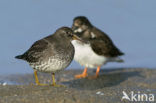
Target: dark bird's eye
{"x":81,"y":23}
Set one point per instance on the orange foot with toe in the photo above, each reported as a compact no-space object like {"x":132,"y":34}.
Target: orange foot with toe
{"x":83,"y":75}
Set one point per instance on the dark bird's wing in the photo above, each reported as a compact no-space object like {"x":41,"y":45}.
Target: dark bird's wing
{"x":36,"y":51}
{"x":103,"y":45}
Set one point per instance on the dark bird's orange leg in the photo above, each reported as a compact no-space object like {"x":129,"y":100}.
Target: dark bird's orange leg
{"x":83,"y":75}
{"x":97,"y":73}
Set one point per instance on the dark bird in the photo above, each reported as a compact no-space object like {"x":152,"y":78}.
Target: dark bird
{"x":98,"y":51}
{"x":51,"y":54}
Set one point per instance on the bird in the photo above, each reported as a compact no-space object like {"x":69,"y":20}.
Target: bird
{"x":98,"y":49}
{"x":51,"y":54}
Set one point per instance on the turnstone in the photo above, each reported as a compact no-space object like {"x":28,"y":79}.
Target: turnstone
{"x":98,"y":51}
{"x":51,"y":54}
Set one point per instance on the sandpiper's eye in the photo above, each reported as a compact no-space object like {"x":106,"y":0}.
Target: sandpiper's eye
{"x":68,"y":32}
{"x":70,"y":35}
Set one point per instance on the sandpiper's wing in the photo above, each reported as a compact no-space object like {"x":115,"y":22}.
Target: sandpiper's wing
{"x":37,"y":51}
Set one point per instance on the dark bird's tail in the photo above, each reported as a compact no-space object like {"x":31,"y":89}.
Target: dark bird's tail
{"x":121,"y":53}
{"x":19,"y":57}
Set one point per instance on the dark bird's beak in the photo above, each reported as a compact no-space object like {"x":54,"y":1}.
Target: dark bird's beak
{"x":74,"y":28}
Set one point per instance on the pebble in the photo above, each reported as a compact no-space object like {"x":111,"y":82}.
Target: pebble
{"x":99,"y":93}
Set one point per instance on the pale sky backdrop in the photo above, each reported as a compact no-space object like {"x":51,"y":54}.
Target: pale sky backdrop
{"x":131,"y":24}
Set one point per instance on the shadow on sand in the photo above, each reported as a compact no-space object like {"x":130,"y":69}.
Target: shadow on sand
{"x":107,"y":78}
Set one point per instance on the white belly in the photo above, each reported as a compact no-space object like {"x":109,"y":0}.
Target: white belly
{"x":86,"y":56}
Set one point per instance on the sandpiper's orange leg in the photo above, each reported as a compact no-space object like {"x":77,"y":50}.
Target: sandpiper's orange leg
{"x":37,"y":81}
{"x":83,"y":75}
{"x":97,"y":73}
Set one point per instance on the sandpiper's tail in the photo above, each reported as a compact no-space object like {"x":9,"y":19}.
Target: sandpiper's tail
{"x":19,"y":57}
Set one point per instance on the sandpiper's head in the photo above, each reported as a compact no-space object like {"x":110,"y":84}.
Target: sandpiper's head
{"x":67,"y":34}
{"x":80,"y":24}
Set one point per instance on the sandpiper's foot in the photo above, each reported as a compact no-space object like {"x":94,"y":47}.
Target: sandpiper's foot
{"x":37,"y":80}
{"x":40,"y":84}
{"x":57,"y":85}
{"x":54,"y":83}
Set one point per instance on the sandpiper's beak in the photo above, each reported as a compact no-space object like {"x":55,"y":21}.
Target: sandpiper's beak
{"x":75,"y":37}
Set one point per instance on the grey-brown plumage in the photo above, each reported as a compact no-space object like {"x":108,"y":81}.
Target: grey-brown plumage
{"x":52,"y":53}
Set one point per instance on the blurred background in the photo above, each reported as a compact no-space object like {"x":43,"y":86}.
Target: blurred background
{"x":131,"y":24}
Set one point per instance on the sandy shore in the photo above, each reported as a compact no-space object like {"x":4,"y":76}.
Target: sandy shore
{"x":107,"y":88}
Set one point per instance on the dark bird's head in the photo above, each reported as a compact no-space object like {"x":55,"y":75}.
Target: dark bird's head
{"x":80,"y":24}
{"x":66,"y":33}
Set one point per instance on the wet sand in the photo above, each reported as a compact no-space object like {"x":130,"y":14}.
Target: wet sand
{"x":107,"y":88}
